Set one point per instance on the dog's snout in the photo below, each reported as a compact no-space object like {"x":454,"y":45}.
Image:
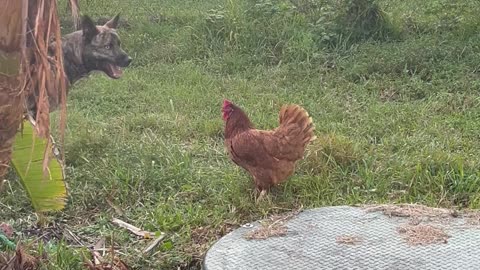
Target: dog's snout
{"x":124,"y":60}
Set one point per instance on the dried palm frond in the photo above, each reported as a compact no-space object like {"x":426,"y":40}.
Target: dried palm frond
{"x":12,"y":29}
{"x":18,"y":260}
{"x":44,"y":73}
{"x":75,"y":9}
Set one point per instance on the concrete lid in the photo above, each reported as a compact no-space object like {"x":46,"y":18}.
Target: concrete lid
{"x":344,"y":237}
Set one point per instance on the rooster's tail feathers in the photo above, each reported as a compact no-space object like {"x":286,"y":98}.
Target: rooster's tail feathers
{"x":296,"y":114}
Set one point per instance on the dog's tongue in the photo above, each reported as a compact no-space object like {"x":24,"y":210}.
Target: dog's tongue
{"x":115,"y":71}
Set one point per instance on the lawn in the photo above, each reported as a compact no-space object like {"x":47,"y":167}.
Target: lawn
{"x":393,"y":89}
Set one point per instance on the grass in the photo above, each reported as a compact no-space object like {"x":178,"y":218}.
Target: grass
{"x":394,"y":96}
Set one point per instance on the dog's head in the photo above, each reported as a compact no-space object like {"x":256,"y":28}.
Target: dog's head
{"x":102,"y":50}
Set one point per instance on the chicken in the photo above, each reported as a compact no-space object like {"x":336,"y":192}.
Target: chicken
{"x":268,"y":155}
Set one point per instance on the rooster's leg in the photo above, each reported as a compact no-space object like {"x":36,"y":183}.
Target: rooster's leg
{"x":261,"y":197}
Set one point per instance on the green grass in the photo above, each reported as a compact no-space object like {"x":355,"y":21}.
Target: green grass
{"x":395,"y":99}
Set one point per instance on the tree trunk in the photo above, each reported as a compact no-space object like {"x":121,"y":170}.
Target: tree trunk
{"x":12,"y":38}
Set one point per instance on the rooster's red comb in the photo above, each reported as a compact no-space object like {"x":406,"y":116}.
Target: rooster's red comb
{"x":226,"y":103}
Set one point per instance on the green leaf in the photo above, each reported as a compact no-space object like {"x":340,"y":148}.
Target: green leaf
{"x":47,"y":191}
{"x":168,"y":245}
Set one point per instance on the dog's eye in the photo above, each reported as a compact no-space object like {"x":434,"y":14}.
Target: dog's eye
{"x":107,"y":47}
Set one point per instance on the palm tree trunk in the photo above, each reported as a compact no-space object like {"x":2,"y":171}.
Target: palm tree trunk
{"x":12,"y":38}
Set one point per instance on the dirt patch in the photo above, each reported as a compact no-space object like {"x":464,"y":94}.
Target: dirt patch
{"x":201,"y":239}
{"x":423,"y":234}
{"x":267,"y":231}
{"x":349,"y":240}
{"x":388,"y":95}
{"x":427,"y":225}
{"x":472,"y":217}
{"x":413,"y":211}
{"x":54,"y":232}
{"x":272,"y":227}
{"x":417,"y":214}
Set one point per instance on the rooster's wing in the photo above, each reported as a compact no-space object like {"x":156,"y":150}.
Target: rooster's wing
{"x":248,"y":149}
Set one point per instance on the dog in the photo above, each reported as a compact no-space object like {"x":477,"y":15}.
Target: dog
{"x":93,"y":48}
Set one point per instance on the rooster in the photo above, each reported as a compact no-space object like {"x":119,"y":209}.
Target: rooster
{"x":268,"y":155}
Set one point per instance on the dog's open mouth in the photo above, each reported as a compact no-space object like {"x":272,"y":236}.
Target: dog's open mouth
{"x":113,"y":71}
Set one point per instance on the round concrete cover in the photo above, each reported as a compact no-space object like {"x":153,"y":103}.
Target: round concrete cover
{"x":345,"y":237}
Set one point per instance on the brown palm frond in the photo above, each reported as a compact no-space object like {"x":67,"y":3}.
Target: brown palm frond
{"x":12,"y":41}
{"x":75,"y":9}
{"x":44,"y":72}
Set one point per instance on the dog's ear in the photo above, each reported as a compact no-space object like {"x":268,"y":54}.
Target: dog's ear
{"x":113,"y":23}
{"x":89,"y":28}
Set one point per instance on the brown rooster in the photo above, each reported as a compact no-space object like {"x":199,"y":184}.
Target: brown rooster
{"x":268,"y":155}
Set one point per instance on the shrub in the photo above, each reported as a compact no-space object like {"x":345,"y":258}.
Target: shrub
{"x":275,"y":31}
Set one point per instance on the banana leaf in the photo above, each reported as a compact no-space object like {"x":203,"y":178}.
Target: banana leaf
{"x":45,"y":188}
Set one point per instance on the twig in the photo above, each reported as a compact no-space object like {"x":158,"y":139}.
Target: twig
{"x":116,"y":208}
{"x":135,"y":230}
{"x":154,"y":243}
{"x":96,"y":254}
{"x":9,"y":262}
{"x":73,"y":237}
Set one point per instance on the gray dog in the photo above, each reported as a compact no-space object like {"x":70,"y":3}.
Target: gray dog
{"x":94,"y":48}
